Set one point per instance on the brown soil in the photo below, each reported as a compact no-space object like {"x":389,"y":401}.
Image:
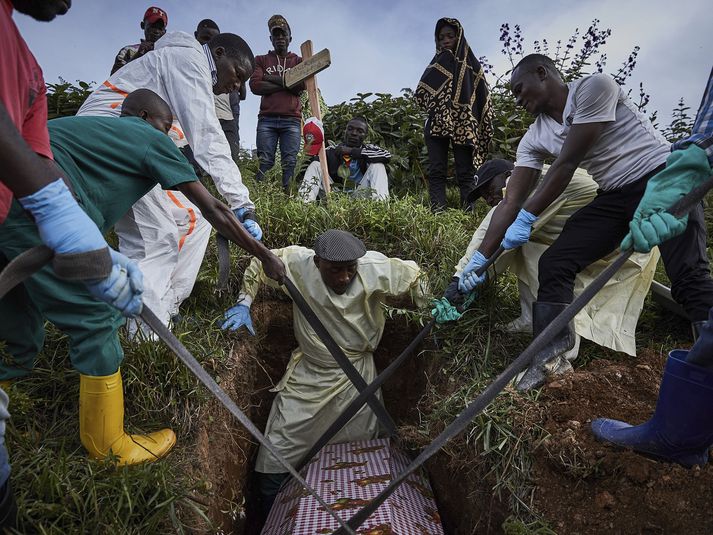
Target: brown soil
{"x":584,"y":486}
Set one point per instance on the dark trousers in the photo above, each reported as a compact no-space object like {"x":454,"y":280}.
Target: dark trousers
{"x":597,"y":229}
{"x":231,"y":134}
{"x":701,"y":354}
{"x":438,"y":170}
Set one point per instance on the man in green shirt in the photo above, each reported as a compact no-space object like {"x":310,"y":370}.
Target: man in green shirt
{"x":110,"y":163}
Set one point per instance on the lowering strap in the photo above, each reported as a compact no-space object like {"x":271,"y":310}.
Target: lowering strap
{"x":359,"y":401}
{"x":681,"y":208}
{"x":223,"y":246}
{"x":349,"y":370}
{"x":81,"y":266}
{"x":363,"y":396}
{"x":24,"y":265}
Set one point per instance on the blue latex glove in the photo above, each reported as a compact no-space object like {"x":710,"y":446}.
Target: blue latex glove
{"x":122,"y":288}
{"x":652,"y":224}
{"x":518,"y":233}
{"x":238,"y":316}
{"x":250,"y":224}
{"x":468,"y":279}
{"x":63,"y":226}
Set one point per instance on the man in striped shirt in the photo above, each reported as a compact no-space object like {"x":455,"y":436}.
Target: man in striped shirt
{"x":354,"y":166}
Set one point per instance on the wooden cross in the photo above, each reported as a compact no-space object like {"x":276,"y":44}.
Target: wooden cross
{"x":320,"y":62}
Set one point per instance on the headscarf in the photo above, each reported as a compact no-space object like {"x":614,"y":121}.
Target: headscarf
{"x":454,"y":93}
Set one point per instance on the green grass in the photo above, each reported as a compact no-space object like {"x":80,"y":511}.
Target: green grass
{"x":60,"y":491}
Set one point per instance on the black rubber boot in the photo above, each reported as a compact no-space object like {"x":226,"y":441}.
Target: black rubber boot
{"x":696,"y":329}
{"x":8,"y":508}
{"x":542,"y":315}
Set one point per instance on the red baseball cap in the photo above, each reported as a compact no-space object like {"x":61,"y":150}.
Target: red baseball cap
{"x":313,"y":134}
{"x":154,"y":14}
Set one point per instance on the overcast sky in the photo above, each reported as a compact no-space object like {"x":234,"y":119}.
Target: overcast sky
{"x":385,"y":45}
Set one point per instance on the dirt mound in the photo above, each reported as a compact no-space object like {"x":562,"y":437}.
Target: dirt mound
{"x":584,"y":486}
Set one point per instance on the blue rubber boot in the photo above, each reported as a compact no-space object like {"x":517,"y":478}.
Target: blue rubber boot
{"x":681,"y":429}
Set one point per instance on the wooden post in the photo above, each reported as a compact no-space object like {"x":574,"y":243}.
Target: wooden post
{"x":312,"y":91}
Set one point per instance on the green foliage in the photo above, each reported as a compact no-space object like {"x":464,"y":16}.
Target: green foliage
{"x":65,"y":98}
{"x":402,"y":227}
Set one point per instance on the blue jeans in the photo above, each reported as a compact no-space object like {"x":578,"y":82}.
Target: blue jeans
{"x":270,"y":130}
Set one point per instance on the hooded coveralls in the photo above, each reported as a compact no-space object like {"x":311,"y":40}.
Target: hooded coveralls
{"x":110,"y":162}
{"x":609,"y":319}
{"x":314,"y":389}
{"x":164,"y":232}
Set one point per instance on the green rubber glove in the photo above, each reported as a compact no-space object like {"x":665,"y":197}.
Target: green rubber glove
{"x":652,"y":224}
{"x":443,"y":311}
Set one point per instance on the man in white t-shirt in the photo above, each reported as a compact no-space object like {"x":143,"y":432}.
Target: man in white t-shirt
{"x":588,"y":123}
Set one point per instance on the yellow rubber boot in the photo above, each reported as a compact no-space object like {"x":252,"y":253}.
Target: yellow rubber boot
{"x":101,"y":424}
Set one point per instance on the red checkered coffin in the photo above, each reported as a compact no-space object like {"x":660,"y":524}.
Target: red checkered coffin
{"x":348,"y":476}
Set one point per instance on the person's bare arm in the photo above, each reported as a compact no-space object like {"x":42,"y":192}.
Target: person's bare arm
{"x":579,"y":141}
{"x":23,"y":171}
{"x":519,"y":187}
{"x":224,"y":221}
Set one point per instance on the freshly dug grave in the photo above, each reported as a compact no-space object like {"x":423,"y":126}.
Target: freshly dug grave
{"x":226,"y":452}
{"x":583,"y":486}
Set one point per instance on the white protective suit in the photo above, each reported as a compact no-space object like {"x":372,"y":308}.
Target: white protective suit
{"x":164,"y":232}
{"x":314,"y":389}
{"x":610,"y":317}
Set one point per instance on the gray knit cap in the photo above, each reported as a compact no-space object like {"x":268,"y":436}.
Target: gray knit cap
{"x":339,"y":246}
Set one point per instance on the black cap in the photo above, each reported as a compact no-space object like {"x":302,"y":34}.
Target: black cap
{"x":339,"y":246}
{"x":486,"y":172}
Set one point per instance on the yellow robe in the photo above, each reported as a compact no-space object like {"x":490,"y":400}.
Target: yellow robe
{"x":314,"y":389}
{"x":610,"y":317}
